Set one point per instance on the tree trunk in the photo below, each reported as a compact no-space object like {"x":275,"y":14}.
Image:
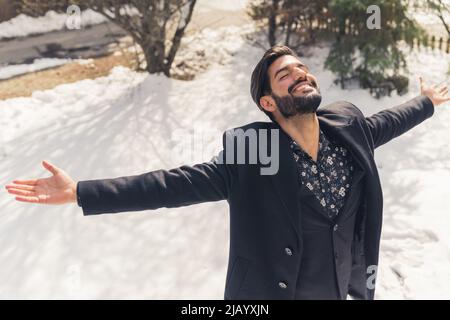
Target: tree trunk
{"x":151,"y":29}
{"x":154,"y":51}
{"x":273,"y":23}
{"x":8,"y":10}
{"x":176,"y":40}
{"x":288,"y":32}
{"x":446,"y":26}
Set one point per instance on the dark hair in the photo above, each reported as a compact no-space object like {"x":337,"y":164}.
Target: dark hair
{"x":260,"y":83}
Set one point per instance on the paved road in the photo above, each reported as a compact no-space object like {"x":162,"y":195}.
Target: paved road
{"x":84,"y":43}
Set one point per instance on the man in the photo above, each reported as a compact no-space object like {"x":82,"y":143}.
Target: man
{"x":309,"y":230}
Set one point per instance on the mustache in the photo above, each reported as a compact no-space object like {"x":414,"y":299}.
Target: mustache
{"x":292,"y":86}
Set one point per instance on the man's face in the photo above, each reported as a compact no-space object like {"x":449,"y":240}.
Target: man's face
{"x":294,"y":89}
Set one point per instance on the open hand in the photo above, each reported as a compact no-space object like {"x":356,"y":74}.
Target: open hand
{"x":57,"y":189}
{"x":437,"y":93}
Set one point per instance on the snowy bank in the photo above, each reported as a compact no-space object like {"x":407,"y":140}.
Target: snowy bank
{"x":129,"y":123}
{"x":37,"y":65}
{"x":23,"y":25}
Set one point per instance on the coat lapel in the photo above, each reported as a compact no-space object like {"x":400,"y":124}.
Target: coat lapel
{"x":286,"y":183}
{"x":345,"y":129}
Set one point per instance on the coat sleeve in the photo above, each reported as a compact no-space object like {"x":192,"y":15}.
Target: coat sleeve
{"x":391,"y":123}
{"x":182,"y":186}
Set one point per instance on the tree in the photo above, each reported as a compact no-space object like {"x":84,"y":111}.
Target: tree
{"x":260,"y":10}
{"x":8,"y":10}
{"x":289,"y":19}
{"x":441,"y":10}
{"x":371,"y":55}
{"x":156,"y":25}
{"x":340,"y":60}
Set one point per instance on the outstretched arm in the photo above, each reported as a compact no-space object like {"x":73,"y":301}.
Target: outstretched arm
{"x":186,"y":185}
{"x":183,"y":186}
{"x":391,"y":123}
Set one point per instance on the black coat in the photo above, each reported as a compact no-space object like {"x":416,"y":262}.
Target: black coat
{"x":264,"y":211}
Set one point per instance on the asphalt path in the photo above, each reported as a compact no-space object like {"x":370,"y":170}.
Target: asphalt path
{"x":89,"y":42}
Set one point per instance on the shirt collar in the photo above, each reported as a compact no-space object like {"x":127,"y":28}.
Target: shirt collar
{"x":323,"y":144}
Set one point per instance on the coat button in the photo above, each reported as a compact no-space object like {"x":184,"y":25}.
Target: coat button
{"x":288,"y":251}
{"x":282,"y":285}
{"x":335,"y":228}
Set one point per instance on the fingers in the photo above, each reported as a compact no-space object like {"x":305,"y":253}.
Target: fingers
{"x":442,"y":88}
{"x":26,"y":182}
{"x":28,"y":199}
{"x":21,"y":187}
{"x":438,"y":86}
{"x":20,"y":192}
{"x":50,"y":167}
{"x":440,"y":101}
{"x":441,"y":84}
{"x":26,"y":194}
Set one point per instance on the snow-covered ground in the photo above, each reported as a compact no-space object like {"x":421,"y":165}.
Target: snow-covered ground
{"x":14,"y":70}
{"x":129,"y":123}
{"x":229,"y":5}
{"x":24,"y":25}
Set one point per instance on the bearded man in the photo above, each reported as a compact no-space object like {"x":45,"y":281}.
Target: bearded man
{"x":310,"y":228}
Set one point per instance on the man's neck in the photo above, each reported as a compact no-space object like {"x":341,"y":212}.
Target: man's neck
{"x":304,"y":130}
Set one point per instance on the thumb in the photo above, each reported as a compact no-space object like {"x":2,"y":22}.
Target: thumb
{"x":422,"y":86}
{"x":47,"y":165}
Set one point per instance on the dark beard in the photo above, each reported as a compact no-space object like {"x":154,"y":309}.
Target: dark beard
{"x":291,"y":105}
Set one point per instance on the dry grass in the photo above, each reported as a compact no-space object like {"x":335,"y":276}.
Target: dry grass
{"x":23,"y":86}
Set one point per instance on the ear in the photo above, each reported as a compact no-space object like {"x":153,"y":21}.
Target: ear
{"x":268,"y":103}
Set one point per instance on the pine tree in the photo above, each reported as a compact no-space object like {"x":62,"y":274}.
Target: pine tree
{"x":292,"y":22}
{"x":372,"y":55}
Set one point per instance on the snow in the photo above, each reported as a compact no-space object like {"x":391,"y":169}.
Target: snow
{"x":24,"y":25}
{"x":230,"y":5}
{"x":430,"y":21}
{"x":129,"y":123}
{"x":10,"y":71}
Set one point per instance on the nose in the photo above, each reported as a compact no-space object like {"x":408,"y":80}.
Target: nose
{"x":299,"y":74}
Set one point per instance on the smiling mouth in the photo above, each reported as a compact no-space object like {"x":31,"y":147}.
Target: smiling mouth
{"x":302,"y":86}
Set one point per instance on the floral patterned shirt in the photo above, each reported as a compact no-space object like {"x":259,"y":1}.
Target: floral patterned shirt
{"x":329,"y":179}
